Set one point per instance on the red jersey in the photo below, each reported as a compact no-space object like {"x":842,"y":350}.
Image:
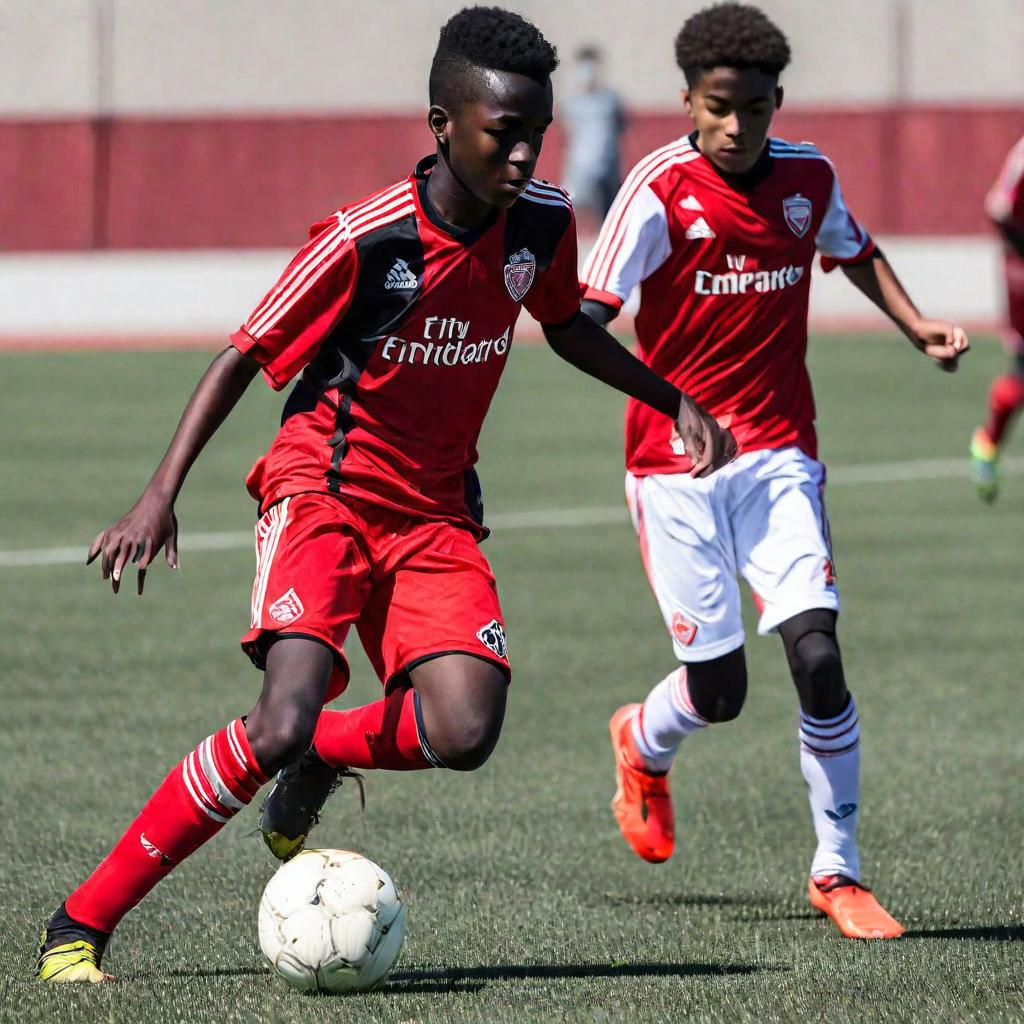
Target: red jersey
{"x":724,"y":269}
{"x":1005,"y":200}
{"x":403,"y":324}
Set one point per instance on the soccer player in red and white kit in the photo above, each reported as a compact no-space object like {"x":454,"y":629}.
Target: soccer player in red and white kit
{"x":398,"y":313}
{"x":1005,"y":206}
{"x":719,"y":229}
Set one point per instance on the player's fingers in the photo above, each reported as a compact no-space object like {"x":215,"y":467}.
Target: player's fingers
{"x":141,"y":582}
{"x":96,"y":547}
{"x":960,"y":340}
{"x":706,"y":464}
{"x":110,"y":549}
{"x":171,"y":548}
{"x":692,"y":433}
{"x":730,"y":446}
{"x":725,"y":447}
{"x":713,"y":453}
{"x":144,"y":554}
{"x":123,"y":555}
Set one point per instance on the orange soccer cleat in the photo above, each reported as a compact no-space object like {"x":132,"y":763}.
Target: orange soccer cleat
{"x":856,"y":912}
{"x":642,"y":804}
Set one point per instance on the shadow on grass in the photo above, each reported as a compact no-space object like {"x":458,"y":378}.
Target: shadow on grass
{"x":691,"y":899}
{"x":453,"y":976}
{"x":469,"y":980}
{"x":982,"y":933}
{"x":747,"y":908}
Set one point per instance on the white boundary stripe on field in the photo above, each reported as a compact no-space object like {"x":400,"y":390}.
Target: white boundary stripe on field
{"x":554,"y":518}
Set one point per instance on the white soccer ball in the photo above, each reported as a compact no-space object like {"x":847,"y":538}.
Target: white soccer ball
{"x":331,"y":921}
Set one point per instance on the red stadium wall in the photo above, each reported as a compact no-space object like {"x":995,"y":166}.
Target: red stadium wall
{"x":232,"y":182}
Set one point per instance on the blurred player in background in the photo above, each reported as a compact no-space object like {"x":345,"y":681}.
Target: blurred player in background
{"x":594,"y":121}
{"x":398,"y":314}
{"x":1005,"y":205}
{"x":719,"y":229}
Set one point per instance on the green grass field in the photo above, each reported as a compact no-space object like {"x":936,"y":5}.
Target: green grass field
{"x":525,"y":905}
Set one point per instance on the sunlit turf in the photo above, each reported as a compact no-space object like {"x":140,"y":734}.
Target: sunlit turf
{"x":524,"y":903}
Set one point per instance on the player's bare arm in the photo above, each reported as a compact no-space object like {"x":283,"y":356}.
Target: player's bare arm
{"x":938,"y":339}
{"x":150,"y":524}
{"x":590,"y":348}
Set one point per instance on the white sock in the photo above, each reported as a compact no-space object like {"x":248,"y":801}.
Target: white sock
{"x":666,"y":719}
{"x":830,"y":762}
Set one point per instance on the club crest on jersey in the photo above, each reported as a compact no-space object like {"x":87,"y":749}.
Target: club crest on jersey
{"x":286,"y":608}
{"x":492,"y":636}
{"x":684,"y":632}
{"x":519,"y":273}
{"x":797,"y":211}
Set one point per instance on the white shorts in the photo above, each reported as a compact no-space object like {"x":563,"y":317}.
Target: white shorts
{"x":761,"y":517}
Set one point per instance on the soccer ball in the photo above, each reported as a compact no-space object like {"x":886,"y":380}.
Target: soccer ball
{"x":331,"y":921}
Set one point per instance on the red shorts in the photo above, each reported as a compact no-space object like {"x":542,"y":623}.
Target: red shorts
{"x":414,"y":588}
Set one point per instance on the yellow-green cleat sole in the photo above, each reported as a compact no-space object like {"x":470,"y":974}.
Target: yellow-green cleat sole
{"x":74,"y":962}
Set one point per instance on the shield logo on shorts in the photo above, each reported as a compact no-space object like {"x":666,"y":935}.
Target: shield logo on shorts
{"x":286,"y":608}
{"x":797,"y":211}
{"x":519,"y":273}
{"x":684,"y":632}
{"x":492,"y":636}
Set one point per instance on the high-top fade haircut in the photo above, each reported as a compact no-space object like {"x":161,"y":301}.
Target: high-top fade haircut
{"x":480,"y":39}
{"x":730,"y":35}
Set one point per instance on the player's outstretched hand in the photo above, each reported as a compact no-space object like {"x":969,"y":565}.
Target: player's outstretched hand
{"x":136,"y":538}
{"x":942,"y":341}
{"x":709,"y":445}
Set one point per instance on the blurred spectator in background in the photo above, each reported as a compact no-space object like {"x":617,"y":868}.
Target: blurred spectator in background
{"x":1005,"y":205}
{"x":594,"y":120}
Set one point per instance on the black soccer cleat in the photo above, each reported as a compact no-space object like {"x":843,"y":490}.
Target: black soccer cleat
{"x":293,"y":806}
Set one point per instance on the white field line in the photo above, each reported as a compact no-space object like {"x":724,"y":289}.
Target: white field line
{"x":838,"y":476}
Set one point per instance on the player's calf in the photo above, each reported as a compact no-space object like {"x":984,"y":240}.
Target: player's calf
{"x":280,"y":726}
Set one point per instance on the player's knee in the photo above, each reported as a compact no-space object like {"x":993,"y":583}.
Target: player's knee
{"x":467,"y":745}
{"x":280,"y":738}
{"x":718,"y":688}
{"x":460,"y":710}
{"x":817,"y":668}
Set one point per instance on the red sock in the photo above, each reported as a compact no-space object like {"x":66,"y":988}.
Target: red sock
{"x":1004,"y":399}
{"x":191,"y":805}
{"x":379,"y":735}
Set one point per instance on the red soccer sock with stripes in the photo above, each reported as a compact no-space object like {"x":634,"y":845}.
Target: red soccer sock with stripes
{"x":1004,"y":399}
{"x":191,"y":805}
{"x":379,"y":735}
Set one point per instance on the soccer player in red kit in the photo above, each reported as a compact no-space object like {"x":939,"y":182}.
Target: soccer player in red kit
{"x":719,"y":229}
{"x":398,"y":313}
{"x":1005,"y":205}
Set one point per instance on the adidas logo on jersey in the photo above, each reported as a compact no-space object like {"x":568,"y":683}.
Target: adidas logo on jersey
{"x":699,"y":229}
{"x":400,"y":278}
{"x":733,"y":283}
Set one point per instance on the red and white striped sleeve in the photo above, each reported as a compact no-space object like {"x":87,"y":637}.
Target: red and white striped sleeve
{"x":840,"y":238}
{"x":634,"y":240}
{"x":285,"y":330}
{"x":1005,"y":201}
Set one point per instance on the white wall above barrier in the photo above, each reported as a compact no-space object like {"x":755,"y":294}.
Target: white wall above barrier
{"x":205,"y":295}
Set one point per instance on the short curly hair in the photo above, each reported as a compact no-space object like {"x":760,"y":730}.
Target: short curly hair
{"x":730,"y":35}
{"x":488,"y":38}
